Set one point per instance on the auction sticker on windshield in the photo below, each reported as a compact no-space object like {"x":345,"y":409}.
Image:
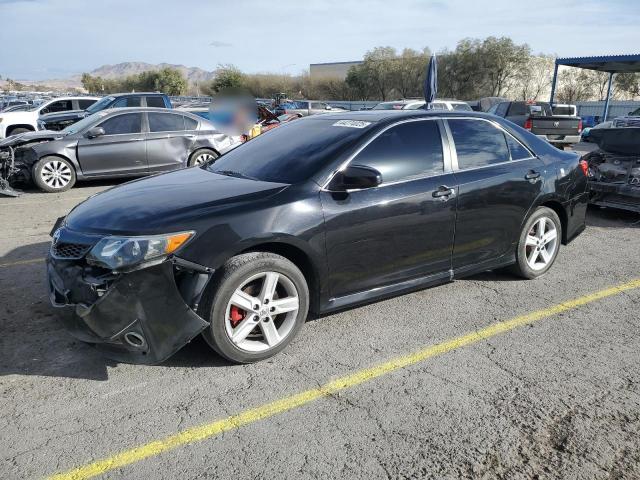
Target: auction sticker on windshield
{"x":351,"y":123}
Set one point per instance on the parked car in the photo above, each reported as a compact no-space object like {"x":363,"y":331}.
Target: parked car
{"x":320,"y":214}
{"x":119,"y":142}
{"x":21,"y":107}
{"x":9,"y":104}
{"x":304,"y":108}
{"x":12,"y":123}
{"x":538,"y":118}
{"x":60,"y":121}
{"x":450,"y":105}
{"x":630,"y":120}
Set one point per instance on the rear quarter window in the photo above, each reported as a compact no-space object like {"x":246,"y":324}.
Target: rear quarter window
{"x":478,"y":143}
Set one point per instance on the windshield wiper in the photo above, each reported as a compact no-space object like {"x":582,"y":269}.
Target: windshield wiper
{"x":232,"y":173}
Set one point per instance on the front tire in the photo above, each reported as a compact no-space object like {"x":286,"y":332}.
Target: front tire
{"x":539,"y":244}
{"x":54,"y":174}
{"x":256,"y":304}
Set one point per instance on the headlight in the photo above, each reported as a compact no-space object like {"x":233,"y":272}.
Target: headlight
{"x":118,"y":252}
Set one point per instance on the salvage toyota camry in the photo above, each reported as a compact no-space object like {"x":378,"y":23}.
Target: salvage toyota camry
{"x":324,"y":213}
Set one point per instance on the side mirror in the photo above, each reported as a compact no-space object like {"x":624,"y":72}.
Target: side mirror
{"x":356,"y":177}
{"x":44,"y":111}
{"x":94,"y":132}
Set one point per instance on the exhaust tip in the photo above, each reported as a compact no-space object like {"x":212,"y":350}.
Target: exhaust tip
{"x":134,"y":339}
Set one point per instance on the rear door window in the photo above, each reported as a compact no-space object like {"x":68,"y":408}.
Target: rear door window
{"x":165,"y":122}
{"x":127,"y":102}
{"x":478,"y":143}
{"x":59,"y":106}
{"x":408,"y":150}
{"x":85,"y":103}
{"x":155,"y":101}
{"x":501,"y":109}
{"x":517,"y":108}
{"x":123,"y":124}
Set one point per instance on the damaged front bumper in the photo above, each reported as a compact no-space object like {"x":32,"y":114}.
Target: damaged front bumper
{"x":136,"y":317}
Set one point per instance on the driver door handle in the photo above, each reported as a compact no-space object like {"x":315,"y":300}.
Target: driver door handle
{"x":443,"y":192}
{"x":532,"y":175}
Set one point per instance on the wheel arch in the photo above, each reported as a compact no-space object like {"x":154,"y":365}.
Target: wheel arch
{"x":557,"y":207}
{"x":11,"y":128}
{"x":300,"y":259}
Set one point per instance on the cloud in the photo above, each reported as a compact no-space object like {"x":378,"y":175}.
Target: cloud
{"x":218,"y":44}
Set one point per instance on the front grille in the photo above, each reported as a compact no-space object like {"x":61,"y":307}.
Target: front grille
{"x":72,"y":251}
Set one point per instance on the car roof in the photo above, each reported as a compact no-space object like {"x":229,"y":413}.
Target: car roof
{"x":129,"y":94}
{"x":391,"y":115}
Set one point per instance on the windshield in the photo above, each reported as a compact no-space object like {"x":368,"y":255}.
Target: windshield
{"x":100,"y":104}
{"x":82,"y":124}
{"x":292,"y":152}
{"x":462,"y":107}
{"x":388,"y":106}
{"x":557,"y":110}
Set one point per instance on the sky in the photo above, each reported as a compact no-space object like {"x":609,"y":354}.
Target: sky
{"x":48,"y":39}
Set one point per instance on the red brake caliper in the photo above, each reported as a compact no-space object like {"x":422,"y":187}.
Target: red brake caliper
{"x":236,"y":315}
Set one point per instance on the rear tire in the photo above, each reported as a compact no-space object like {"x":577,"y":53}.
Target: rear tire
{"x":201,"y":156}
{"x":257,"y":303}
{"x":54,"y":174}
{"x":538,"y":245}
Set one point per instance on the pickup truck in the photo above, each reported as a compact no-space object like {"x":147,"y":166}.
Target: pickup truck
{"x":61,"y":120}
{"x":538,"y":118}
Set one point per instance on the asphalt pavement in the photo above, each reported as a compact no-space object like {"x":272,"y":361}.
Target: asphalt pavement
{"x":558,"y":397}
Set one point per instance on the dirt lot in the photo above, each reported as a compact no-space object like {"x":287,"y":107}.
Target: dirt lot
{"x":557,"y":399}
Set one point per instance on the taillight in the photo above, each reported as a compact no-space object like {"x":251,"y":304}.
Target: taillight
{"x":580,"y":126}
{"x":528,"y":124}
{"x":584,"y":166}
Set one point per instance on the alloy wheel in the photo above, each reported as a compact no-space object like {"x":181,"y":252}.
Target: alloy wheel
{"x":262,"y":311}
{"x":541,"y":243}
{"x":56,"y":174}
{"x":203,"y":157}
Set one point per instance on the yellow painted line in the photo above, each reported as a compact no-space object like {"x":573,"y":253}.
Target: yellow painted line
{"x":285,"y":404}
{"x":22,"y":262}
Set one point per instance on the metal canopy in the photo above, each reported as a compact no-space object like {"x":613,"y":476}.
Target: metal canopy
{"x":611,"y":64}
{"x":608,"y":63}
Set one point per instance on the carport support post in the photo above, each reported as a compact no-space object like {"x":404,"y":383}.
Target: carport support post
{"x":553,"y":83}
{"x":606,"y":102}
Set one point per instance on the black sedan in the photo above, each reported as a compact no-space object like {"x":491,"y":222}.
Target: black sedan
{"x":320,"y":214}
{"x":120,"y":142}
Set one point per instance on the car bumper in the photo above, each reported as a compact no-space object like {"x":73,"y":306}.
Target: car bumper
{"x":137,"y":317}
{"x":561,"y":139}
{"x":622,"y":196}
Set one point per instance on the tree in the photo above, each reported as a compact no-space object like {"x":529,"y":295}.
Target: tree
{"x":500,"y":61}
{"x":533,"y":79}
{"x":228,"y":79}
{"x":574,"y":85}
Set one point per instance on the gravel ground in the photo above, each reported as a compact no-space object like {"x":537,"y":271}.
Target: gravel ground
{"x":557,"y":399}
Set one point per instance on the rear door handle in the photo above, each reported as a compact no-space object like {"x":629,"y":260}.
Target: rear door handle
{"x":443,"y":192}
{"x":136,"y":139}
{"x":532,"y":175}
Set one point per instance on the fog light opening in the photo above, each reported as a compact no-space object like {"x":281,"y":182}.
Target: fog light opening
{"x":134,"y":339}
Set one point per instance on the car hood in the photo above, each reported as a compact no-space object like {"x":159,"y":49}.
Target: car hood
{"x":170,"y":202}
{"x":28,"y":137}
{"x":63,"y":115}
